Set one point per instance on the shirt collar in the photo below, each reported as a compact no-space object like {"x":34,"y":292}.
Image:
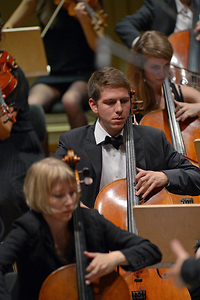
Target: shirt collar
{"x":180,"y":7}
{"x":100,"y":133}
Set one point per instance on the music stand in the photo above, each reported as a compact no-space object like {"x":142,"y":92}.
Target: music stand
{"x":162,"y":223}
{"x":26,"y":47}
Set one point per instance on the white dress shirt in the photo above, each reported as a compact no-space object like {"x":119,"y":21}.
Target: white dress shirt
{"x":113,"y":160}
{"x":184,"y":17}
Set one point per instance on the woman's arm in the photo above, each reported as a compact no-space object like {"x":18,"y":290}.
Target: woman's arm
{"x":191,"y":105}
{"x":89,"y":30}
{"x":23,"y":12}
{"x":5,"y":128}
{"x":103,"y":264}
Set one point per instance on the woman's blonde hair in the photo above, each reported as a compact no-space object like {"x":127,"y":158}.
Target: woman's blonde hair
{"x":40,"y":179}
{"x":150,"y":44}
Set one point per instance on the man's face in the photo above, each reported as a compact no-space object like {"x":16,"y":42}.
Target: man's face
{"x":113,"y":109}
{"x":156,"y":70}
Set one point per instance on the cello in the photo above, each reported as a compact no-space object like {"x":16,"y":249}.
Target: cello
{"x":185,"y":63}
{"x":180,"y":134}
{"x":68,"y":282}
{"x":115,"y":201}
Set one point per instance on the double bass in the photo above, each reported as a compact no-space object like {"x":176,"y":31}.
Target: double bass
{"x":115,"y":201}
{"x":180,"y":134}
{"x":68,"y":282}
{"x":185,"y":64}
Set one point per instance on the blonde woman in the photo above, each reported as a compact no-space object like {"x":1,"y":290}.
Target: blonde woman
{"x":42,"y":240}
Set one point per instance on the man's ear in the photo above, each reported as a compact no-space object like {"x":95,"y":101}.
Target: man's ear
{"x":93,"y":105}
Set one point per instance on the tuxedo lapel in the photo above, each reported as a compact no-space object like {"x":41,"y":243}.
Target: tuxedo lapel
{"x":93,"y":151}
{"x":139,"y":148}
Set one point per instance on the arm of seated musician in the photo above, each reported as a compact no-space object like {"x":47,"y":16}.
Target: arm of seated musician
{"x":147,"y":181}
{"x":23,"y":12}
{"x":103,"y":264}
{"x":5,"y":128}
{"x":89,"y":29}
{"x":118,"y":247}
{"x":186,"y":270}
{"x":191,"y":105}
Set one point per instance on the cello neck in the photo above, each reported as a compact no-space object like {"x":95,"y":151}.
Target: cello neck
{"x":176,"y":135}
{"x":131,"y":172}
{"x":85,"y":291}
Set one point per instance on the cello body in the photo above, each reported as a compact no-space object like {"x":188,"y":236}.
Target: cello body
{"x":190,"y":130}
{"x":112,"y":203}
{"x":186,"y":53}
{"x":179,"y":64}
{"x":62,"y":284}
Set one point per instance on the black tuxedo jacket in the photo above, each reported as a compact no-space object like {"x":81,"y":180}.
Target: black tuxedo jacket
{"x":153,"y":152}
{"x":153,"y":15}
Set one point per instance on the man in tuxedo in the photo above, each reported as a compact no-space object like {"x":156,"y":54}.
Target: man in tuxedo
{"x":166,"y":16}
{"x":158,"y":164}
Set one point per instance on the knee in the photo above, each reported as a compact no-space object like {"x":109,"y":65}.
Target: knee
{"x":71,"y":100}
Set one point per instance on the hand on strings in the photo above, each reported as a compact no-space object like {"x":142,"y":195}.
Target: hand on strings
{"x":134,"y":120}
{"x":147,"y":181}
{"x":181,"y":256}
{"x":87,"y":26}
{"x":197,"y":30}
{"x":5,"y":128}
{"x":103,"y":264}
{"x":81,"y":13}
{"x":185,"y":110}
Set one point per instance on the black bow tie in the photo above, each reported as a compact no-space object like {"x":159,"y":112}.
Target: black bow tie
{"x":115,"y":141}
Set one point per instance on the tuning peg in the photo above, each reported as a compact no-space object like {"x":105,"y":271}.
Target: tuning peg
{"x":87,"y":179}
